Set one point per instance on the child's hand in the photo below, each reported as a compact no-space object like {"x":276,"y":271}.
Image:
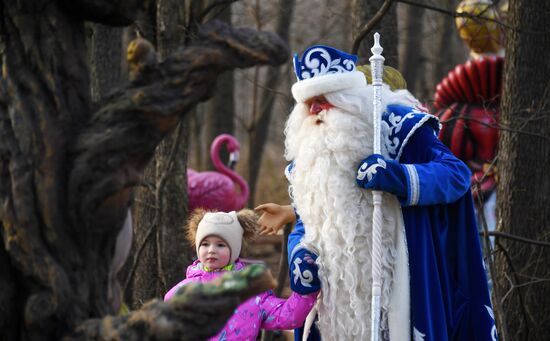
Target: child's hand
{"x":274,"y":217}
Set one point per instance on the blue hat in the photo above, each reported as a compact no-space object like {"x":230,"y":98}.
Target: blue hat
{"x":324,"y":69}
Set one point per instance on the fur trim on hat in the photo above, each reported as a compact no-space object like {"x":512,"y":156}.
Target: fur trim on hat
{"x":315,"y":86}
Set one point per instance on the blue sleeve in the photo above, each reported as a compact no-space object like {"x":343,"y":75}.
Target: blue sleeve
{"x":295,"y":237}
{"x":303,"y":271}
{"x":434,"y":175}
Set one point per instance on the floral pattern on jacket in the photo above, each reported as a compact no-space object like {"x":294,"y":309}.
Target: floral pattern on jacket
{"x":263,"y":311}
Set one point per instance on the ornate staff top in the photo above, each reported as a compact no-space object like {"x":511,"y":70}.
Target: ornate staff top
{"x":377,"y":68}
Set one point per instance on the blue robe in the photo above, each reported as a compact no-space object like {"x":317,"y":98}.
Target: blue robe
{"x":448,"y":287}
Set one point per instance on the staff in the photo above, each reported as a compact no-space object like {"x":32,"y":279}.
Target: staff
{"x":377,"y":66}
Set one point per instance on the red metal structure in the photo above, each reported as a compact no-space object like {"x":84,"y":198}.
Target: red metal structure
{"x":467,"y":103}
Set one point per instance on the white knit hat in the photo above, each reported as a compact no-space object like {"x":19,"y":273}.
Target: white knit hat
{"x":225,"y":226}
{"x":324,"y":69}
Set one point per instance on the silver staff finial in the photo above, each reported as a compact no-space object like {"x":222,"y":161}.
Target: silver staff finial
{"x":376,"y":49}
{"x":377,"y":60}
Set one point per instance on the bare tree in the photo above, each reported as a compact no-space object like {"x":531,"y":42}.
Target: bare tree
{"x":447,"y":50}
{"x":259,"y":130}
{"x":523,"y":275}
{"x":219,"y":111}
{"x":386,"y":25}
{"x":68,"y":167}
{"x":411,"y":38}
{"x":105,"y":53}
{"x":160,"y":252}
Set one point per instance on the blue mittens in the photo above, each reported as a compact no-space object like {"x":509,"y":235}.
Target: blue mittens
{"x":380,"y":174}
{"x":304,"y":278}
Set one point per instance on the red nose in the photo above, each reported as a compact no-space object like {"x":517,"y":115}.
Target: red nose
{"x":318,"y":106}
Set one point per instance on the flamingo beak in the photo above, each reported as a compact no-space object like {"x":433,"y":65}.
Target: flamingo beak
{"x":233,"y":159}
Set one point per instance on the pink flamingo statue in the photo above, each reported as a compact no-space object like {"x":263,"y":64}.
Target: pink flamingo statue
{"x":216,"y":189}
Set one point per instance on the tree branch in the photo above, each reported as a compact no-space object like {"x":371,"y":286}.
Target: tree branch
{"x":266,"y":86}
{"x":121,"y":137}
{"x":370,"y":25}
{"x":159,"y":188}
{"x":478,"y":17}
{"x":516,"y":238}
{"x":514,"y":275}
{"x":212,"y":6}
{"x":496,"y":126}
{"x":497,"y":304}
{"x":196,"y":312}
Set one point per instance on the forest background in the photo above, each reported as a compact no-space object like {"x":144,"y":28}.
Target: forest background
{"x":420,"y":39}
{"x":76,"y":137}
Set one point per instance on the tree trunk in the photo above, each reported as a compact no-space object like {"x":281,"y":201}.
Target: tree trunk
{"x":441,"y":49}
{"x":10,"y":305}
{"x":105,"y":53}
{"x":410,"y":63}
{"x":363,"y":11}
{"x":523,"y":163}
{"x":144,"y":258}
{"x":67,"y":169}
{"x":450,"y":50}
{"x":259,"y":134}
{"x":160,"y":252}
{"x":219,"y":111}
{"x":175,"y":252}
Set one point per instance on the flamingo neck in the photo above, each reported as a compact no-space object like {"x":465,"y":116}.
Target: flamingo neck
{"x":241,"y":199}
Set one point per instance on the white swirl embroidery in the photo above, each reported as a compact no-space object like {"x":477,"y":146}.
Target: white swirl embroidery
{"x":318,"y":61}
{"x":393,"y":127}
{"x":369,"y":171}
{"x":417,"y":335}
{"x":494,"y":335}
{"x":305,"y":278}
{"x":289,"y":172}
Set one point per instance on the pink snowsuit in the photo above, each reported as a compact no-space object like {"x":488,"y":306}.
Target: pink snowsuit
{"x":263,"y":311}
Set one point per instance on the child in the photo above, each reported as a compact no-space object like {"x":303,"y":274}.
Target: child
{"x":218,"y":238}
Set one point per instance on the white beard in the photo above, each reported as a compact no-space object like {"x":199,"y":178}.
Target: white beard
{"x":337,"y":216}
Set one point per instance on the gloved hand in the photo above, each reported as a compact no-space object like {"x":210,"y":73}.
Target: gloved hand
{"x":304,"y":278}
{"x":380,"y":174}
